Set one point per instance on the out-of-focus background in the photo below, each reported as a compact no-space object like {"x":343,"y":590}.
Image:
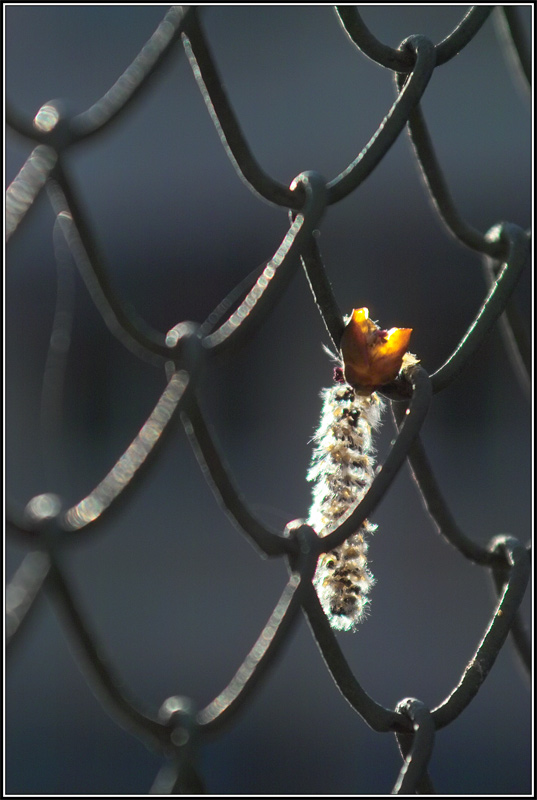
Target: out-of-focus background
{"x":175,"y":594}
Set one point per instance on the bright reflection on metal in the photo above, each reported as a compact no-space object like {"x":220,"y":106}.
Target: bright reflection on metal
{"x":22,"y":192}
{"x":134,"y":75}
{"x":120,"y":475}
{"x":43,"y":506}
{"x":46,"y":118}
{"x":177,"y":333}
{"x":260,"y":286}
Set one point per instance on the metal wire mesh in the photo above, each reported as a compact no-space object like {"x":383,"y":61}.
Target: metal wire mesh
{"x":190,"y":354}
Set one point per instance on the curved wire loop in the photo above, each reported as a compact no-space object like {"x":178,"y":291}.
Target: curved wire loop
{"x":225,"y":121}
{"x":444,"y":520}
{"x":126,"y":326}
{"x":439,"y":193}
{"x":416,"y":749}
{"x":97,"y":671}
{"x":95,"y":506}
{"x":269,"y":644}
{"x":120,"y":477}
{"x":500,"y":625}
{"x":237,"y":148}
{"x":436,"y":505}
{"x":378,"y":717}
{"x":61,"y":132}
{"x":218,"y":475}
{"x":137,"y":77}
{"x":276,"y":276}
{"x":400,"y":61}
{"x":392,"y":124}
{"x":493,"y":306}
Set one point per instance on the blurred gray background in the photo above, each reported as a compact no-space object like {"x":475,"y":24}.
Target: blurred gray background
{"x":174,"y":593}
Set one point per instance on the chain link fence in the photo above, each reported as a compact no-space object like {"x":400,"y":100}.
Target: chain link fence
{"x":161,"y":603}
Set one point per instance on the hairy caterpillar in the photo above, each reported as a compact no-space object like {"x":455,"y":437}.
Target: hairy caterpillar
{"x":343,"y":464}
{"x":342,"y":469}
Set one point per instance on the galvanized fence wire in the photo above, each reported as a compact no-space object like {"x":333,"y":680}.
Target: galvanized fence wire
{"x":178,"y":729}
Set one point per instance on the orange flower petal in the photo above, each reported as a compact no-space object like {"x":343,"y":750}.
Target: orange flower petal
{"x":354,"y":344}
{"x":371,"y":356}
